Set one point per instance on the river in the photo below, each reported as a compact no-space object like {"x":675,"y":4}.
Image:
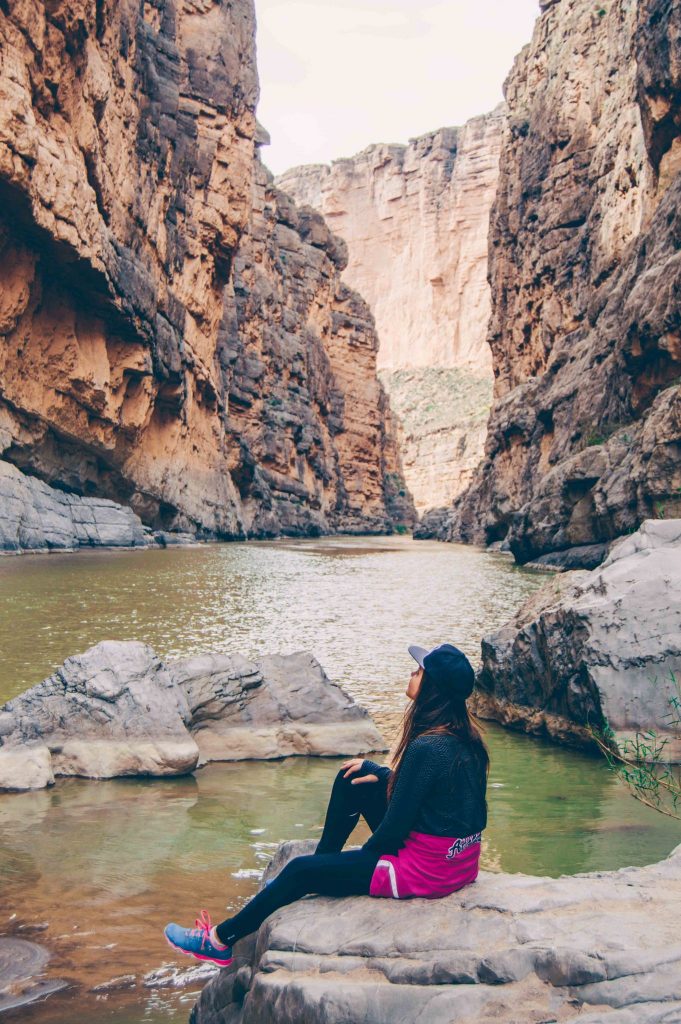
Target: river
{"x":95,"y":869}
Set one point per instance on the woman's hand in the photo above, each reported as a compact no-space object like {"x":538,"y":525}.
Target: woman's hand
{"x":355,"y":765}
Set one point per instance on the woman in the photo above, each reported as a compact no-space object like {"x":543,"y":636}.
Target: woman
{"x":426,"y":815}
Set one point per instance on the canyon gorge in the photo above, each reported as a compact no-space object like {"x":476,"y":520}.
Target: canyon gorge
{"x":415,"y":219}
{"x":216,"y":349}
{"x":573,"y":293}
{"x":175,"y":334}
{"x":474,"y":337}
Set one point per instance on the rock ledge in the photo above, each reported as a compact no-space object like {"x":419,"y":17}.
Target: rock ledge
{"x":598,"y":948}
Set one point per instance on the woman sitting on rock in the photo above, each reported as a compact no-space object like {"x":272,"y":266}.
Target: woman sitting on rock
{"x":426,"y":814}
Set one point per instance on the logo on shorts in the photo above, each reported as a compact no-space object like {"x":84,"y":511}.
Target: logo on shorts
{"x":462,"y":844}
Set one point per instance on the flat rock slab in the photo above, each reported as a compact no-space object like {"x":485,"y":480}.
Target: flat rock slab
{"x":278,"y":706}
{"x":21,"y":965}
{"x":37,"y":517}
{"x":597,"y":948}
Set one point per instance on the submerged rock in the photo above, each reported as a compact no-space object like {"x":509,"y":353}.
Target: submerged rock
{"x":594,"y":647}
{"x":22,"y":967}
{"x":118,"y":709}
{"x":509,"y":948}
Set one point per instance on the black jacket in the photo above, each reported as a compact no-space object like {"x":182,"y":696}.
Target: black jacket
{"x":440,"y":790}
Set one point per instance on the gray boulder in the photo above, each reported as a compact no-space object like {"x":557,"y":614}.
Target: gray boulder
{"x":36,"y":517}
{"x":280,"y":705}
{"x":114,"y":710}
{"x":594,"y":647}
{"x":118,"y":710}
{"x":601,"y":947}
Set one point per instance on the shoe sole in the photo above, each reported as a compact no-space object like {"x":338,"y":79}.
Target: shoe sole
{"x":197,"y":956}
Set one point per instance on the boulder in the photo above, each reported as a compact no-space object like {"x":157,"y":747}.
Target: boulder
{"x":281,"y":705}
{"x":593,"y":648}
{"x":601,"y":947}
{"x":114,"y":710}
{"x":118,"y":709}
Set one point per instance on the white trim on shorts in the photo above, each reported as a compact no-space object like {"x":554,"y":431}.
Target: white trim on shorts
{"x":391,"y":874}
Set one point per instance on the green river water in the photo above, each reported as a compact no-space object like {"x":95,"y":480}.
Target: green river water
{"x":93,"y":870}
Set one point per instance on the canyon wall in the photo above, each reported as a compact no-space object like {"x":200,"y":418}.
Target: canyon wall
{"x":584,"y":438}
{"x":415,"y":219}
{"x":172,"y":335}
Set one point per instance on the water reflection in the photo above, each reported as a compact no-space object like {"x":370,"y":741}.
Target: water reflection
{"x":354,"y":603}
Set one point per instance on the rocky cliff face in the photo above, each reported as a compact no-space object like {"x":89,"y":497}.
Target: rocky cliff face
{"x":415,"y":219}
{"x":582,"y":654}
{"x":584,"y":439}
{"x":133,"y":360}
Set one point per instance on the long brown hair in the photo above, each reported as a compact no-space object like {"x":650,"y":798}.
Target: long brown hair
{"x":435,"y":711}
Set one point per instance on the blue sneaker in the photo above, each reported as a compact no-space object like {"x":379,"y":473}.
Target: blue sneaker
{"x":196,"y":941}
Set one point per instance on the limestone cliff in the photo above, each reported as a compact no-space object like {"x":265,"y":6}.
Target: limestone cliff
{"x":135,"y":220}
{"x":584,"y":438}
{"x":415,"y":220}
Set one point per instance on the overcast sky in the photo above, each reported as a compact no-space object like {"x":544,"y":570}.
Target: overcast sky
{"x":337,"y":75}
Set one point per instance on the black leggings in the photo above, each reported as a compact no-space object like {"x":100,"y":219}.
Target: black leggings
{"x":327,"y":872}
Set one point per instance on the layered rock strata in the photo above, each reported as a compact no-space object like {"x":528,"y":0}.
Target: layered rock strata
{"x":415,"y":219}
{"x":595,"y":649}
{"x":440,"y":415}
{"x":317,"y":447}
{"x":36,"y":517}
{"x":132,"y":350}
{"x":507,"y":948}
{"x":584,"y":439}
{"x":118,"y":709}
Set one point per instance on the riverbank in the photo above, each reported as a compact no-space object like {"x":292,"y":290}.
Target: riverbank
{"x":595,"y":947}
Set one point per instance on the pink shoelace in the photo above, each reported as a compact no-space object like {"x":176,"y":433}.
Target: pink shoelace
{"x":204,"y":926}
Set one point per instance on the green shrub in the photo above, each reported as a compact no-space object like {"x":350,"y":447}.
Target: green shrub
{"x":642,"y":763}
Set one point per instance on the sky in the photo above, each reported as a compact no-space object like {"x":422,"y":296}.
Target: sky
{"x":338,"y":75}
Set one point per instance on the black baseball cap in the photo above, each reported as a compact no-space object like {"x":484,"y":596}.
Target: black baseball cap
{"x":448,"y":666}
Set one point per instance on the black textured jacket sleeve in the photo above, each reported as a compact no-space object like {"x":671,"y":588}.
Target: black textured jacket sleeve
{"x":413,"y":782}
{"x":382,"y":772}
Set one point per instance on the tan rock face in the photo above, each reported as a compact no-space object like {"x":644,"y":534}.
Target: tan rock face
{"x":127,"y":176}
{"x":441,"y":415}
{"x":585,"y":433}
{"x":415,"y":220}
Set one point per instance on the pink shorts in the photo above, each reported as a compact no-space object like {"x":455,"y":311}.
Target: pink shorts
{"x":427,"y":866}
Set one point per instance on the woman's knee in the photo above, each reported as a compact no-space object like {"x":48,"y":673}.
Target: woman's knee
{"x":297,"y":867}
{"x":297,"y":874}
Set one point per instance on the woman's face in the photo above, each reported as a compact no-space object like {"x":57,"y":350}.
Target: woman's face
{"x":414,"y":683}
